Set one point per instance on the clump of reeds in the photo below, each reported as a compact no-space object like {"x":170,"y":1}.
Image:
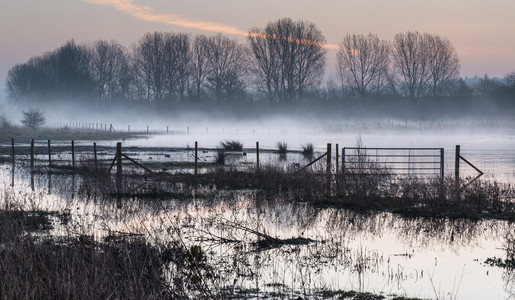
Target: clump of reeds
{"x":231,"y":145}
{"x":308,"y":150}
{"x":282,"y":147}
{"x":220,"y":157}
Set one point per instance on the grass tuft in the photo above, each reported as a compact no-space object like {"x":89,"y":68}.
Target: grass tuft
{"x":282,"y":147}
{"x":220,"y":157}
{"x":308,"y":149}
{"x":231,"y":145}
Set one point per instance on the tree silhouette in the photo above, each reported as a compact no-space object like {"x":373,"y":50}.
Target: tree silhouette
{"x":289,"y":57}
{"x":362,"y":63}
{"x":33,"y":118}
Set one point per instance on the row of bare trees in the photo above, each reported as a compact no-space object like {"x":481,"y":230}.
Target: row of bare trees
{"x":159,"y":67}
{"x":414,"y":65}
{"x":284,"y":62}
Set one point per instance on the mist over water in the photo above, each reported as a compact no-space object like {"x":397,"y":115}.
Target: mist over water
{"x":486,"y":136}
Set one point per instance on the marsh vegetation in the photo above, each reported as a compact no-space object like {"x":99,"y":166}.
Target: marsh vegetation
{"x":234,"y":231}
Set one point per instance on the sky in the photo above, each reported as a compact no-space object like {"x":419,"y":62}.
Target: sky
{"x":483,"y":32}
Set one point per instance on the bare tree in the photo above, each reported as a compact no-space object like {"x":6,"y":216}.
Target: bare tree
{"x":71,"y":65}
{"x":459,"y":88}
{"x":33,"y":118}
{"x":487,"y":86}
{"x":177,"y":63}
{"x":226,"y":67}
{"x":509,"y":80}
{"x":264,"y":64}
{"x":410,"y":60}
{"x":150,"y":65}
{"x":109,"y":67}
{"x":362,"y":63}
{"x":20,"y":81}
{"x":199,"y":65}
{"x":289,"y":57}
{"x":62,"y":73}
{"x":443,"y":64}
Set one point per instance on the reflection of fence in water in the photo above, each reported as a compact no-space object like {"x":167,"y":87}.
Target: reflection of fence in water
{"x":422,"y":162}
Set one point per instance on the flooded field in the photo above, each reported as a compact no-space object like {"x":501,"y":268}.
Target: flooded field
{"x":492,"y":150}
{"x":254,"y":245}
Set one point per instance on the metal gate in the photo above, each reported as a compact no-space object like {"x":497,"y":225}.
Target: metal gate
{"x":411,"y":162}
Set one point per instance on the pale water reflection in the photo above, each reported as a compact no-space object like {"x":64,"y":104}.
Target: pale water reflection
{"x":380,"y":253}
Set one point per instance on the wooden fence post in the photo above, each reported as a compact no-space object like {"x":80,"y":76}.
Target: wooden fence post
{"x":343,"y":160}
{"x":196,"y":157}
{"x":328,"y":158}
{"x":73,"y":154}
{"x":442,"y":174}
{"x":119,"y":159}
{"x":257,"y":156}
{"x":129,"y":128}
{"x":119,"y":174}
{"x":95,"y":155}
{"x":457,"y":168}
{"x":166,"y":128}
{"x":12,"y":142}
{"x":336,"y":159}
{"x":32,"y":154}
{"x":49,"y":154}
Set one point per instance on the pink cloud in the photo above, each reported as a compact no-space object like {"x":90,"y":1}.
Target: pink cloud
{"x":146,"y":13}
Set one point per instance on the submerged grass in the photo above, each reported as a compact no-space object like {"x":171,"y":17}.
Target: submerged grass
{"x":412,"y":197}
{"x":129,"y":266}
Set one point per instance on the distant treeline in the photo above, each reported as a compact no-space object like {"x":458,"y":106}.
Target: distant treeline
{"x":284,"y":62}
